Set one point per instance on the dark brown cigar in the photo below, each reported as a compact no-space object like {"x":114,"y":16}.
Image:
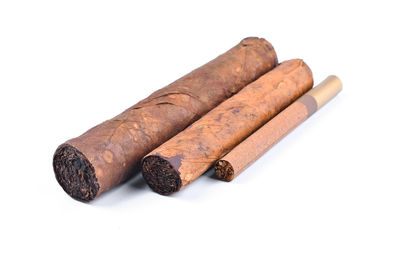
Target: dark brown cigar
{"x":186,"y":156}
{"x":107,"y":154}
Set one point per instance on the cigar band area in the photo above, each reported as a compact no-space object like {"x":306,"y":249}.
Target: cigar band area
{"x":310,"y":103}
{"x":75,"y":173}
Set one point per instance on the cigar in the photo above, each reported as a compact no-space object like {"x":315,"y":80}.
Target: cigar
{"x":109,"y":153}
{"x":183,"y":158}
{"x":253,"y":147}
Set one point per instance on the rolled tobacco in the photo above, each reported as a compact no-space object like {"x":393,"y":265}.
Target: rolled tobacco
{"x":108,"y":154}
{"x":183,"y":158}
{"x":254,"y":146}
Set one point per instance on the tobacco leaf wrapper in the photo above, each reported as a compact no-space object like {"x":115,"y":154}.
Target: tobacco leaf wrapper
{"x":109,"y":153}
{"x":254,"y":146}
{"x":183,"y":158}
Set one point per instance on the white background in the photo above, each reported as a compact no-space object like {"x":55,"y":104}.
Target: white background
{"x":327,"y":195}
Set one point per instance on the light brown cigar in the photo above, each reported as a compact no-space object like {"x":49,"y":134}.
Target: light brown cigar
{"x":253,"y":147}
{"x":186,"y":156}
{"x":107,"y":154}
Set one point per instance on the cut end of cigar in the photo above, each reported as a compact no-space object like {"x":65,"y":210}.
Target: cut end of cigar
{"x":75,"y":173}
{"x":224,"y":170}
{"x":160,"y":175}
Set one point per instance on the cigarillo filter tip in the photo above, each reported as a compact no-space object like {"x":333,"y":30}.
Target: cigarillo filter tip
{"x":326,"y":90}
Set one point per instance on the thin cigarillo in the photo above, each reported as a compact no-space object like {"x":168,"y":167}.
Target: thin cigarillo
{"x":253,"y":147}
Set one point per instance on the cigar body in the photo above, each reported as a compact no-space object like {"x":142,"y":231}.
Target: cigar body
{"x":253,"y":147}
{"x":107,"y":154}
{"x":186,"y":156}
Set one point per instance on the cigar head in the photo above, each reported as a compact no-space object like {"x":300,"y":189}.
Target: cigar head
{"x":160,"y":175}
{"x":255,"y":41}
{"x":75,"y":173}
{"x":224,"y":170}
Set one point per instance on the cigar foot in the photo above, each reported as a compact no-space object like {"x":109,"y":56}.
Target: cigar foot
{"x":74,"y":173}
{"x":224,"y":170}
{"x":160,"y":175}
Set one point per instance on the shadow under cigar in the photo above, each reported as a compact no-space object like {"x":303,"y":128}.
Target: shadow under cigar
{"x":136,"y":187}
{"x":133,"y":187}
{"x":211,"y":174}
{"x":138,"y":182}
{"x":200,"y":187}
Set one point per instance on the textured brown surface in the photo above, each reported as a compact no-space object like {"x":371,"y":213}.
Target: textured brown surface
{"x":114,"y":147}
{"x":194,"y":150}
{"x":253,"y":147}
